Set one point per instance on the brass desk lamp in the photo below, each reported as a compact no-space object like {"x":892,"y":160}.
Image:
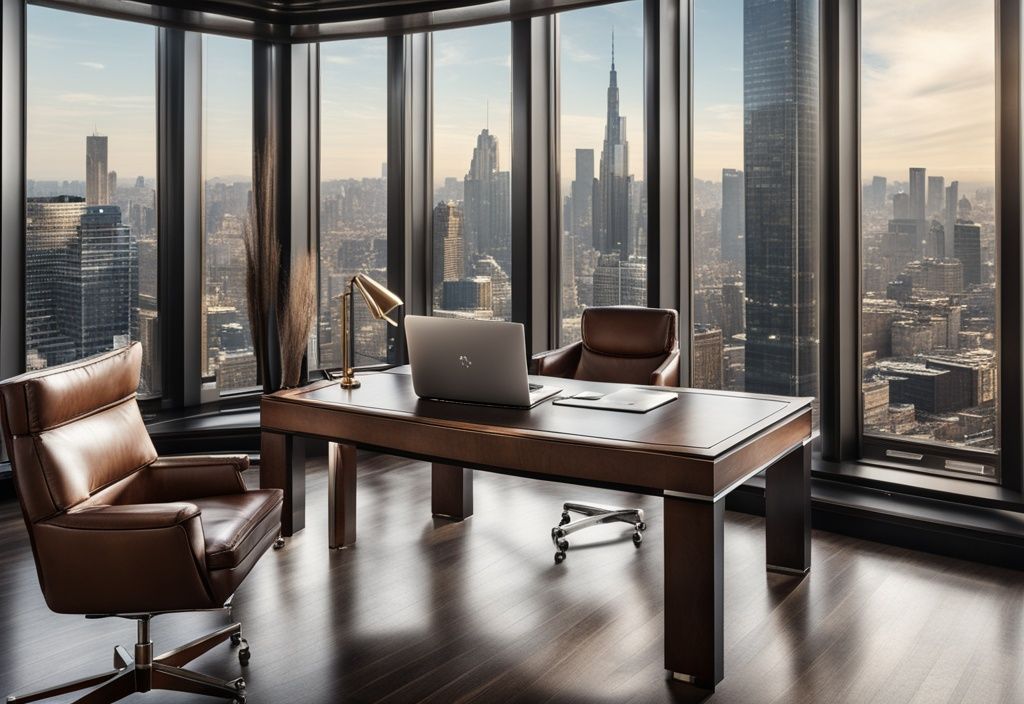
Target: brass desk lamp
{"x":379,"y":300}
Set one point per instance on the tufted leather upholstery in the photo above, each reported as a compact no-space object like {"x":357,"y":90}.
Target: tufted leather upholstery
{"x":623,"y":344}
{"x":114,"y":528}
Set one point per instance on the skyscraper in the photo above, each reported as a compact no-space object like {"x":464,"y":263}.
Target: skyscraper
{"x":952,"y":198}
{"x":878,"y":186}
{"x":611,"y":191}
{"x":707,"y":357}
{"x":449,"y":259}
{"x":101,"y":304}
{"x":967,"y":248}
{"x":97,"y":179}
{"x":780,"y":105}
{"x":936,"y":195}
{"x":582,"y":196}
{"x":734,"y":248}
{"x":917,"y":193}
{"x":487,"y":224}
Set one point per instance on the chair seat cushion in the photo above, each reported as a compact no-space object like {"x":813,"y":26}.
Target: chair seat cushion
{"x":234,"y":524}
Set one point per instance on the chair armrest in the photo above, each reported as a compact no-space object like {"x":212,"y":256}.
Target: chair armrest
{"x":561,"y":362}
{"x":127,"y":516}
{"x":126,"y":558}
{"x":195,"y":476}
{"x":668,"y":373}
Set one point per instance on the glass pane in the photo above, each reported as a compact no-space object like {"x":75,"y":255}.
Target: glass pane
{"x":928,"y":221}
{"x":90,"y":230}
{"x":755,"y":196}
{"x":604,"y":199}
{"x":353,"y":191}
{"x":472,"y":217}
{"x":227,"y":173}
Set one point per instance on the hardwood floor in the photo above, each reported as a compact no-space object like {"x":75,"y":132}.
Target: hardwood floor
{"x":424,"y":610}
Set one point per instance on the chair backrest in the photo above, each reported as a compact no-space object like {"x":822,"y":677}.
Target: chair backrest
{"x":625,"y":344}
{"x":74,"y":429}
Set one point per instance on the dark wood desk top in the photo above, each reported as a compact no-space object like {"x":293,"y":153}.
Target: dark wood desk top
{"x":706,"y":427}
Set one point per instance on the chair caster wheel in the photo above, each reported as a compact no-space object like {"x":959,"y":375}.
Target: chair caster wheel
{"x":239,"y":685}
{"x":557,"y":533}
{"x":562,"y":545}
{"x":236,"y":638}
{"x":239,"y":699}
{"x":243,"y":658}
{"x":638,"y":538}
{"x":559,"y":557}
{"x":641,"y":526}
{"x":279,"y":543}
{"x":565,"y":518}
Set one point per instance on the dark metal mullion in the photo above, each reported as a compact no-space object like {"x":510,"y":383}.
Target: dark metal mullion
{"x":409,"y":179}
{"x":535,"y":220}
{"x":12,"y":177}
{"x":1010,"y":306}
{"x":179,"y":216}
{"x":667,"y":147}
{"x":839,"y":370}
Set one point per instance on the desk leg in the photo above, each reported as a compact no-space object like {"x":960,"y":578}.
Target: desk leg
{"x":451,"y":491}
{"x":788,"y":512}
{"x":341,"y":495}
{"x":283,"y":466}
{"x":694,"y":549}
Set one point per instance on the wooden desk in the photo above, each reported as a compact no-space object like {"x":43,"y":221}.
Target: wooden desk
{"x":693,"y":452}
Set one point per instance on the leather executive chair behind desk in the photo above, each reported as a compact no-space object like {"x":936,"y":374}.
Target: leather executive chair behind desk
{"x":620,"y":344}
{"x":118,"y":531}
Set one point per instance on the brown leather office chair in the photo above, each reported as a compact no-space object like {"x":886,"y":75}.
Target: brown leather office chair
{"x":118,"y":531}
{"x":621,"y":344}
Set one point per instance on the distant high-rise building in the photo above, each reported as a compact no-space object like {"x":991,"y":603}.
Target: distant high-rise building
{"x":101,"y":308}
{"x":449,"y":261}
{"x":707,"y":358}
{"x":901,"y":206}
{"x":917,"y":193}
{"x":618,"y":282}
{"x":611,"y":190}
{"x":582,"y":196}
{"x":733,"y":309}
{"x":967,"y":248}
{"x":487,"y":205}
{"x":878,"y":186}
{"x":952,"y":197}
{"x":51,"y":223}
{"x":733,"y":222}
{"x":97,"y":178}
{"x":780,"y":104}
{"x":936,"y":195}
{"x":140,"y":182}
{"x":473,"y":294}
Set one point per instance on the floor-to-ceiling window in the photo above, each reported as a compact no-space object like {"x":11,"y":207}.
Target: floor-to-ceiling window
{"x":928,"y":236}
{"x":227,"y":190}
{"x":601,"y":160}
{"x":90,"y":230}
{"x":756,"y":196}
{"x":353,"y":191}
{"x":471,"y":216}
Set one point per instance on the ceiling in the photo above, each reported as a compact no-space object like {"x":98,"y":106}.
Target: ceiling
{"x":300,"y":12}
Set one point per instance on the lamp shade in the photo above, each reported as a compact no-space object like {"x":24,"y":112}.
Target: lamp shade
{"x":378,"y":299}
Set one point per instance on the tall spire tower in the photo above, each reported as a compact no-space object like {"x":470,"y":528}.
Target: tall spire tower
{"x":611,"y":192}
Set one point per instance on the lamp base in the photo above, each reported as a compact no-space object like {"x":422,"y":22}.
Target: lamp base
{"x":349,"y":382}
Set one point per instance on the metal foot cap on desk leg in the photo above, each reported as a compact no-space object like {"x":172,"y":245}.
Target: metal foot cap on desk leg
{"x":681,"y":677}
{"x":788,"y":570}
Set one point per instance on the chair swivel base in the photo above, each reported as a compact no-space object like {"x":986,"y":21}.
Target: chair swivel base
{"x":144,"y":672}
{"x":594,"y":514}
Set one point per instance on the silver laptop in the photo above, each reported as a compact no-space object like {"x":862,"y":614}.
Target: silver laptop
{"x":471,"y":361}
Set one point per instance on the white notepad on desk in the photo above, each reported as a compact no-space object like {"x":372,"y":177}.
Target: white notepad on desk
{"x":627,"y":400}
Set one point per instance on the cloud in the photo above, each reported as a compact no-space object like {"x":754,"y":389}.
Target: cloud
{"x":574,"y":52}
{"x":95,"y":65}
{"x":339,"y":59}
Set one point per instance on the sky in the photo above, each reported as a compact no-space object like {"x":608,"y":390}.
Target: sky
{"x":927,"y":71}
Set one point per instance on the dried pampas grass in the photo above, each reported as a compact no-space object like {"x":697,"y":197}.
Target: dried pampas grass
{"x":295,"y":319}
